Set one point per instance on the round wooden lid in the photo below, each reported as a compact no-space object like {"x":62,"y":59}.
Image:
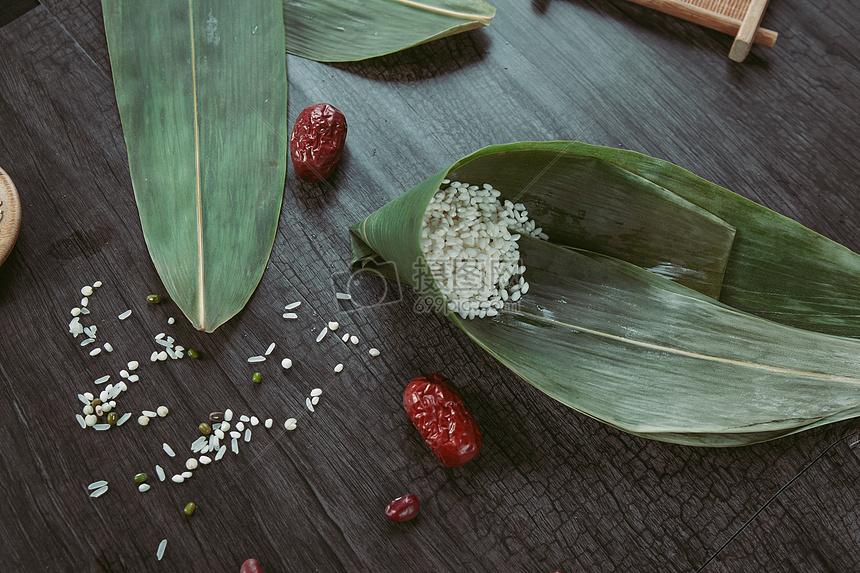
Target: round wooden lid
{"x":10,"y":215}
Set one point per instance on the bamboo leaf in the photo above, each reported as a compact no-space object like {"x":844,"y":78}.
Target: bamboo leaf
{"x":640,"y":351}
{"x":350,"y":30}
{"x":201,"y":89}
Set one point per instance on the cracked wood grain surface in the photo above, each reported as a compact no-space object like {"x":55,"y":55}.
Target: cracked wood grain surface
{"x":552,"y":489}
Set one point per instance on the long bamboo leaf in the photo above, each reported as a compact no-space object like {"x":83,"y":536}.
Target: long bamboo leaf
{"x":637,"y":350}
{"x":350,"y":30}
{"x":201,"y":88}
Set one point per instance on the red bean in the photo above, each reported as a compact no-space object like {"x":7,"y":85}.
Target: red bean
{"x":437,"y":410}
{"x":316,"y":141}
{"x":251,"y":566}
{"x":403,"y":508}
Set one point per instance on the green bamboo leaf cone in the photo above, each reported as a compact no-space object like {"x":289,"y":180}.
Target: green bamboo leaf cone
{"x":663,"y":305}
{"x":202,"y":94}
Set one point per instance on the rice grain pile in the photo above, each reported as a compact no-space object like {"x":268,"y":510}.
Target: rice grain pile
{"x":469,"y":239}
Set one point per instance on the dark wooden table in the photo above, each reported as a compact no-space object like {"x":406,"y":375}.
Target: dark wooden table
{"x":552,"y":489}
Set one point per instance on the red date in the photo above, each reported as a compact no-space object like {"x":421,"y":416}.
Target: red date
{"x":251,"y":566}
{"x":437,"y":410}
{"x":316,"y":142}
{"x":403,"y":508}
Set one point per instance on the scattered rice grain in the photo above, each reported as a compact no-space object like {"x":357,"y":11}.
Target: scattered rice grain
{"x":373,"y":352}
{"x":268,"y":423}
{"x":101,"y":427}
{"x":293,"y":305}
{"x":81,"y":420}
{"x":343,"y":296}
{"x":286,"y":363}
{"x":99,"y":492}
{"x":168,"y":450}
{"x":338,"y":368}
{"x":353,"y":339}
{"x":322,"y":334}
{"x":143,"y":487}
{"x":248,"y":435}
{"x":309,"y":404}
{"x":102,"y":380}
{"x":290,"y":424}
{"x":257,"y":359}
{"x":97,"y":484}
{"x":316,"y":392}
{"x":270,"y":349}
{"x":221,"y":452}
{"x":123,"y":419}
{"x":124,"y":315}
{"x":95,"y":351}
{"x":333,"y":325}
{"x":161,"y":547}
{"x":290,"y":315}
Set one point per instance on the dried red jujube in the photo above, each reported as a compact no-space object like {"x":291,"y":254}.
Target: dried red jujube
{"x":438,"y":411}
{"x":316,"y":142}
{"x":251,"y":566}
{"x":403,"y":508}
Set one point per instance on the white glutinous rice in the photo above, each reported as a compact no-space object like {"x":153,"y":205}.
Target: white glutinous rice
{"x":333,"y":325}
{"x":345,"y":337}
{"x":160,"y":471}
{"x":290,"y":424}
{"x":286,"y":363}
{"x":168,"y":450}
{"x":177,"y":478}
{"x":290,"y":315}
{"x":87,"y":290}
{"x":254,"y":420}
{"x":293,"y":305}
{"x":316,"y":392}
{"x":268,"y":423}
{"x":322,"y":334}
{"x":99,"y":491}
{"x":234,"y":445}
{"x":270,"y":349}
{"x":108,"y":347}
{"x":228,"y":415}
{"x":373,"y":352}
{"x":338,"y":369}
{"x":205,"y":460}
{"x":133,"y":365}
{"x":469,"y":239}
{"x":248,"y":435}
{"x":161,"y":547}
{"x":244,"y":418}
{"x":95,"y":351}
{"x":253,"y":359}
{"x":353,"y":339}
{"x":143,"y":487}
{"x":124,"y":315}
{"x":343,"y":296}
{"x":171,"y":320}
{"x":309,"y":404}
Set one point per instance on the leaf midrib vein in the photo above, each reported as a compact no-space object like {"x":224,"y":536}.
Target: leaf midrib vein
{"x":451,"y":13}
{"x":687,"y":353}
{"x":199,"y":196}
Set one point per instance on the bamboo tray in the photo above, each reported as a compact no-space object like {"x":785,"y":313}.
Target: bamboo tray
{"x":10,"y":215}
{"x":739,"y":18}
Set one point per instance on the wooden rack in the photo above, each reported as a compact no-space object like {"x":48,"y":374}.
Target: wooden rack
{"x":740,"y":18}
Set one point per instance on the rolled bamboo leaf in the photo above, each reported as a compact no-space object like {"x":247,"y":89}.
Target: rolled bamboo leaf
{"x":202,"y":94}
{"x":350,"y":30}
{"x":641,"y":346}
